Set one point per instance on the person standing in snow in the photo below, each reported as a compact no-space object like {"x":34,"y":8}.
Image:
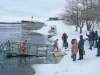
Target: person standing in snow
{"x":98,"y":46}
{"x":95,"y":38}
{"x":64,"y":39}
{"x":81,"y":47}
{"x":55,"y":45}
{"x":90,"y":36}
{"x":74,"y":49}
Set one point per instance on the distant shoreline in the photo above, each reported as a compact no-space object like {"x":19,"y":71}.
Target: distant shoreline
{"x":10,"y":22}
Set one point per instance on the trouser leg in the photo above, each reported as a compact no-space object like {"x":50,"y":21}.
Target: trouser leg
{"x":80,"y":55}
{"x":90,"y":42}
{"x":74,"y":57}
{"x":98,"y":51}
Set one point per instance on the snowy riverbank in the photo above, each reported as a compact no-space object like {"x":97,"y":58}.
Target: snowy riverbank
{"x":90,"y":64}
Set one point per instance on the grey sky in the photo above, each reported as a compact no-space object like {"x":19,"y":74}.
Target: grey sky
{"x":40,"y":8}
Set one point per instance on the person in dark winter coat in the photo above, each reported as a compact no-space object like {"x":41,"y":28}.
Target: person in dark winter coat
{"x":90,"y":39}
{"x":98,"y":47}
{"x":64,"y":39}
{"x":81,"y":47}
{"x":95,"y":38}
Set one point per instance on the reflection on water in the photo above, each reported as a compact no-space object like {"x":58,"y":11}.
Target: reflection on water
{"x":15,"y":67}
{"x":20,"y":65}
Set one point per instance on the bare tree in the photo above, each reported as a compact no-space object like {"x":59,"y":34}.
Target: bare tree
{"x":82,"y":12}
{"x":74,"y":15}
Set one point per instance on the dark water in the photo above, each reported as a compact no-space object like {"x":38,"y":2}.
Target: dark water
{"x":8,"y":31}
{"x":12,"y":66}
{"x":15,"y":66}
{"x":20,"y":65}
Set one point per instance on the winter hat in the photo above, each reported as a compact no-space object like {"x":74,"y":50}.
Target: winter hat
{"x":81,"y":36}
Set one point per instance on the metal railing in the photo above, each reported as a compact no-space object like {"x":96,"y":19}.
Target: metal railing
{"x":40,"y":53}
{"x":38,"y":50}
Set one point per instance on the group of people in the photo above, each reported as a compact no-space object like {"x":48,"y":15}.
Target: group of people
{"x":22,"y":47}
{"x":78,"y":46}
{"x":64,"y":40}
{"x":92,"y":38}
{"x":94,"y":41}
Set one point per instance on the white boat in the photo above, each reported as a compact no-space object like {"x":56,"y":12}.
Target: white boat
{"x":29,"y":32}
{"x":30,"y":25}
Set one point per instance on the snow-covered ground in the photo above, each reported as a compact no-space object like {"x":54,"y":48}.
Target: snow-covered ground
{"x":88,"y":66}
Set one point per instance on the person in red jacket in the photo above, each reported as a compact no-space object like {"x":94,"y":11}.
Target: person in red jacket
{"x":74,"y":49}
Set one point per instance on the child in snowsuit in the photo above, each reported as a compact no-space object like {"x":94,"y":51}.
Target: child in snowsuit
{"x":74,"y":49}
